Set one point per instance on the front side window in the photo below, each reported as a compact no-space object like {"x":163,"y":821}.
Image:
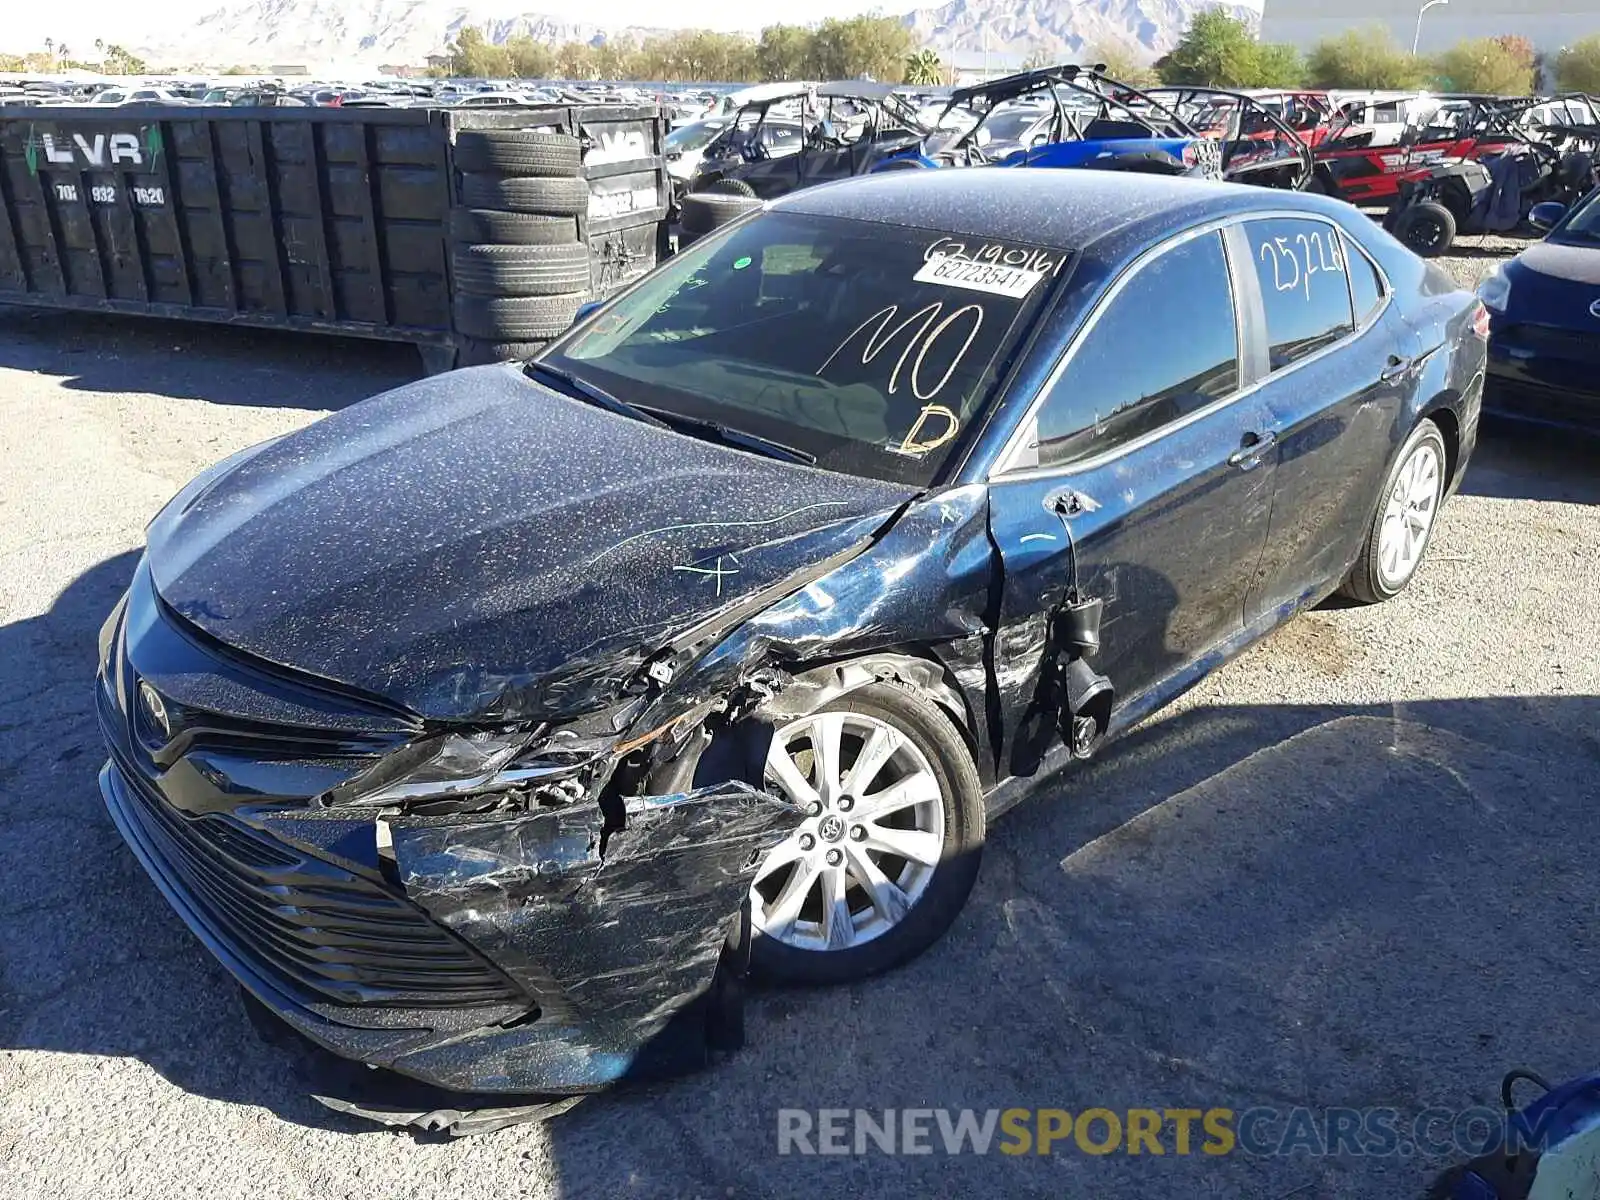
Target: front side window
{"x":1300,"y":265}
{"x":870,"y":347}
{"x":1165,"y":346}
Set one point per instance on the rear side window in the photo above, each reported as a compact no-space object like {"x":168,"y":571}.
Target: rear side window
{"x":1166,"y":345}
{"x":1300,"y":265}
{"x":1366,"y":285}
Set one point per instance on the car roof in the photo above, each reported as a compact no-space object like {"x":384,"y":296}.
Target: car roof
{"x":1069,"y":210}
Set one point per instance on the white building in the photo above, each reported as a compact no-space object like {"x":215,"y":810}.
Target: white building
{"x":1548,"y":24}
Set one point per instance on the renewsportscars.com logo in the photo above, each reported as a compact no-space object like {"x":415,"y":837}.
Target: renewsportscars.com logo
{"x":1261,"y":1131}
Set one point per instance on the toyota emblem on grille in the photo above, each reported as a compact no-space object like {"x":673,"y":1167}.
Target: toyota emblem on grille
{"x":1594,"y":309}
{"x":154,"y":710}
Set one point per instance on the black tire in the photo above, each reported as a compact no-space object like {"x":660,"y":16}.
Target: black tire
{"x":520,"y":270}
{"x":477,"y":226}
{"x":704,"y":211}
{"x":731,"y":187}
{"x":516,"y":318}
{"x":1368,"y":582}
{"x":519,"y":152}
{"x":476,"y":353}
{"x":931,"y":731}
{"x":557,"y":197}
{"x":1427,"y":228}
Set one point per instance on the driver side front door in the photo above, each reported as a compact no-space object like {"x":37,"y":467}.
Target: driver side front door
{"x":1144,"y":477}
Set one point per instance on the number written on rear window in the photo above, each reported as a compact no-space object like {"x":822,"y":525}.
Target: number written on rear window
{"x":1301,"y":268}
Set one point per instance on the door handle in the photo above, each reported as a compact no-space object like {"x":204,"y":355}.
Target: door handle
{"x":1251,"y":447}
{"x":1394,"y":368}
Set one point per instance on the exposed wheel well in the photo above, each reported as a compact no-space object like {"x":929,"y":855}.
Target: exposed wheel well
{"x":1449,"y":425}
{"x":914,"y":666}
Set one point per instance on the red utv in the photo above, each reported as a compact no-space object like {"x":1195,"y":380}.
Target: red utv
{"x":1458,"y":129}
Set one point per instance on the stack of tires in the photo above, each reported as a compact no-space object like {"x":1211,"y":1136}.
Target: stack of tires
{"x":519,"y":261}
{"x":723,"y":201}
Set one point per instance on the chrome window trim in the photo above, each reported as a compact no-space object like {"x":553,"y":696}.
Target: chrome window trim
{"x":1024,"y":436}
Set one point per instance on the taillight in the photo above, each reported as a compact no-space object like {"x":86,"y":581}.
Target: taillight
{"x":1480,"y":321}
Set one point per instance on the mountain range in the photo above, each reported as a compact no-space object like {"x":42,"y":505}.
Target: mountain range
{"x":266,"y":32}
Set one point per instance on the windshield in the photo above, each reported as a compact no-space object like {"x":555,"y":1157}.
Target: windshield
{"x":1584,"y":223}
{"x":693,"y":137}
{"x":870,"y":347}
{"x":1009,"y":125}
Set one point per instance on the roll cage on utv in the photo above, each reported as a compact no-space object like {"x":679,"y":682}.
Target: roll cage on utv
{"x":849,"y":127}
{"x":1500,"y":168}
{"x":1435,"y":129}
{"x":1090,"y":120}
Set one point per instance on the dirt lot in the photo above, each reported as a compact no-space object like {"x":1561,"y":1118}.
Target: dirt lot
{"x":1355,"y":867}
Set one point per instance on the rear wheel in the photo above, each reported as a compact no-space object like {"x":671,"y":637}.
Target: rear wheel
{"x":1402,"y":524}
{"x":889,"y":847}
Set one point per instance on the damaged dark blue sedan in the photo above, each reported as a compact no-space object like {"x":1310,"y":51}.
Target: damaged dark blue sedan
{"x":488,"y":729}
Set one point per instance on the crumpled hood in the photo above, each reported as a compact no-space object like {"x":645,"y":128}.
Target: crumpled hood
{"x":476,"y":546}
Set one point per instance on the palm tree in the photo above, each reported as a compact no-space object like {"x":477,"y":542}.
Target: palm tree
{"x":924,"y":69}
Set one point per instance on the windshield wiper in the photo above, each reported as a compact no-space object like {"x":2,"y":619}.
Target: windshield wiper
{"x":734,"y":437}
{"x":582,"y":389}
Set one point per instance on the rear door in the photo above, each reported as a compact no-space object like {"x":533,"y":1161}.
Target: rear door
{"x":1339,"y":363}
{"x":1147,"y":469}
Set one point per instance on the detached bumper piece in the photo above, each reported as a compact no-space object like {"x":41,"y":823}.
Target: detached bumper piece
{"x":515,"y":962}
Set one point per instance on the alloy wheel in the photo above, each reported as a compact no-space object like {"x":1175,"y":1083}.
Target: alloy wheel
{"x":871,"y":838}
{"x":1408,"y":515}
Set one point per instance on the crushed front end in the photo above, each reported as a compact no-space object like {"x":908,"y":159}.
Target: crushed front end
{"x":496,"y":911}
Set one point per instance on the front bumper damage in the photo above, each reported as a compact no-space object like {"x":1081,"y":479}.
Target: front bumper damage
{"x":620,"y":956}
{"x":583,"y":880}
{"x":549,"y":936}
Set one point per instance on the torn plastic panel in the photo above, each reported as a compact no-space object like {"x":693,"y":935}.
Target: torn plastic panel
{"x":628,"y":942}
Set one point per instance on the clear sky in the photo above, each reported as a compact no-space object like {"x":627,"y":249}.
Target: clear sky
{"x":26,"y":23}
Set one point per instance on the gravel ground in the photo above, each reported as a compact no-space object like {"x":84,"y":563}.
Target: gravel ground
{"x":1354,"y":867}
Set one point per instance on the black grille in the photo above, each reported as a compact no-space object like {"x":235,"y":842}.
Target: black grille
{"x":327,"y":933}
{"x":1559,"y":343}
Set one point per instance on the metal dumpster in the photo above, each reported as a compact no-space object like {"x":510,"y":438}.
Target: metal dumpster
{"x":328,"y":220}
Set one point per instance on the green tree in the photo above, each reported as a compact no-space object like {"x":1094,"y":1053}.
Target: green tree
{"x":529,"y":59}
{"x":782,"y":53}
{"x":876,"y":47}
{"x":1486,"y":65}
{"x":575,"y":60}
{"x":472,"y":56}
{"x":923,"y":69}
{"x":1578,"y":66}
{"x":1122,"y":64}
{"x":1216,"y":51}
{"x":1364,"y":58}
{"x":1278,"y":65}
{"x":121,"y":62}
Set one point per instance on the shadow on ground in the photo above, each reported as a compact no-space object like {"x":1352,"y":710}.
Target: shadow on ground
{"x":1514,"y":461}
{"x":222,"y":364}
{"x":1239,"y":905}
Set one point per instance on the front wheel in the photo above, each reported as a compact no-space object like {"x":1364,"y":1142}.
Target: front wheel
{"x":1427,"y":228}
{"x":888,"y":850}
{"x":1401,"y":527}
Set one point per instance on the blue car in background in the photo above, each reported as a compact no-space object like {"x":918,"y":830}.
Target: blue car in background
{"x":1544,"y":306}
